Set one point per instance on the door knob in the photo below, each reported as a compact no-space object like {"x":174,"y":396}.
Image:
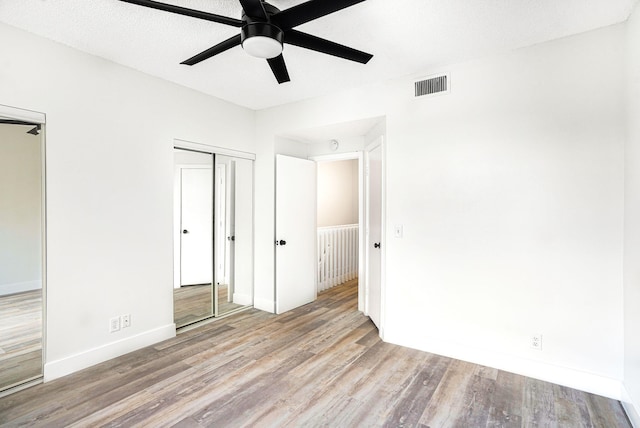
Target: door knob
{"x":231,"y":238}
{"x":185,"y":231}
{"x":376,"y":245}
{"x":281,"y":242}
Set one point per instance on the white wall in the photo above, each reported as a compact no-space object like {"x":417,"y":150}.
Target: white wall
{"x":632,"y":223}
{"x":110,"y":134}
{"x":20,"y":210}
{"x":510,"y":191}
{"x":337,"y":193}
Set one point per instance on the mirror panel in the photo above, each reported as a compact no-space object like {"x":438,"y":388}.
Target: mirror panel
{"x":214,"y":190}
{"x":193,"y":235}
{"x":234,"y":249}
{"x":21,"y":252}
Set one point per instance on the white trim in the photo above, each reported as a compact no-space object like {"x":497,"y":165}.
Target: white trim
{"x":383,"y":240}
{"x":22,"y":114}
{"x":199,"y":147}
{"x":577,"y":379}
{"x":336,"y":157}
{"x":630,"y":408}
{"x":88,"y":358}
{"x":242,"y":299}
{"x":266,"y":305}
{"x":20,"y":287}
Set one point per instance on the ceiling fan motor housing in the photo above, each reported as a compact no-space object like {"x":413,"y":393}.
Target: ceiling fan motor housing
{"x":261,"y":29}
{"x":259,"y":38}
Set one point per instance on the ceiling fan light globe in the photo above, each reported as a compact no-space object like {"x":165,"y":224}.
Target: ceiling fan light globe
{"x":262,"y":47}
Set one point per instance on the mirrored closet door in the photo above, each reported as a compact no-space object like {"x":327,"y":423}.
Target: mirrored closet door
{"x":234,"y":234}
{"x":213,"y":235}
{"x":21,"y":251}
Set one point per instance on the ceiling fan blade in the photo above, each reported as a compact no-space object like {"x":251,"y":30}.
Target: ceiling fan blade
{"x":187,"y":12}
{"x":215,"y":50}
{"x":314,"y":43}
{"x":254,"y":9}
{"x":279,"y":69}
{"x":309,"y":11}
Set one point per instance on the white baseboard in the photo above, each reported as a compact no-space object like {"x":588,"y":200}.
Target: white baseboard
{"x":632,"y":409}
{"x":577,"y":379}
{"x":90,"y":357}
{"x":264,"y":305}
{"x":242,"y":299}
{"x":19,"y":287}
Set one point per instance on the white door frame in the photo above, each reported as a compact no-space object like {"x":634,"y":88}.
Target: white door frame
{"x":362,"y":264}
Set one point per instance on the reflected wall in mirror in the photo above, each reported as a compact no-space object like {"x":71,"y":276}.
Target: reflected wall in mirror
{"x":21,"y":252}
{"x":234,"y":230}
{"x":213,"y":235}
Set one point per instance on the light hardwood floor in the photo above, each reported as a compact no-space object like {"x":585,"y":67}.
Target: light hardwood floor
{"x":20,"y":337}
{"x":319,"y":365}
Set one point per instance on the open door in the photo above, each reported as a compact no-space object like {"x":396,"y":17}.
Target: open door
{"x":373,"y":160}
{"x":295,"y":232}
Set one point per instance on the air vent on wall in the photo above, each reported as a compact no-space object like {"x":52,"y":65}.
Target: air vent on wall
{"x":432,"y":85}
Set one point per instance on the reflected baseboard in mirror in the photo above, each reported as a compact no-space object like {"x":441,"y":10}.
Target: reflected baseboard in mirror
{"x":224,"y":303}
{"x":192,"y":303}
{"x":20,"y":338}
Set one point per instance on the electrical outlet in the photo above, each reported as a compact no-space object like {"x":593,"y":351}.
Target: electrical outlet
{"x":114,"y":324}
{"x":125,"y":320}
{"x":536,"y":342}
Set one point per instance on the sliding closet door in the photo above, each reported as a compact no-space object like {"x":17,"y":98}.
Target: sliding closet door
{"x":193,"y":237}
{"x":234,"y":288}
{"x":213,"y":235}
{"x":21,"y":250}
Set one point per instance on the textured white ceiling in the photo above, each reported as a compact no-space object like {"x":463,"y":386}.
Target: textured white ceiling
{"x":405,"y":36}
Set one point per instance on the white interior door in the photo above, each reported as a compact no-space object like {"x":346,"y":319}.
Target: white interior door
{"x":374,"y":230}
{"x":196,"y":226}
{"x":295,"y":232}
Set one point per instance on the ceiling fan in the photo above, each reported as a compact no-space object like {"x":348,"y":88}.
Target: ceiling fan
{"x":264,"y":29}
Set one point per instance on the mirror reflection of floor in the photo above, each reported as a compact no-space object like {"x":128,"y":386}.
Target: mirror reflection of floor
{"x":224,"y":305}
{"x":193,"y":303}
{"x":20,"y":337}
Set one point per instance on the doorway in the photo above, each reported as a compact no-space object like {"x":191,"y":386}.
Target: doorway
{"x":337,"y":142}
{"x":213,"y":233}
{"x":22,"y":248}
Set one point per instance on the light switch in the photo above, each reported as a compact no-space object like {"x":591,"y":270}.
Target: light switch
{"x":397,"y":231}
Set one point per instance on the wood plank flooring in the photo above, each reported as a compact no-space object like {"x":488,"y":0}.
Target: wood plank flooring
{"x":319,"y":365}
{"x":20,"y":337}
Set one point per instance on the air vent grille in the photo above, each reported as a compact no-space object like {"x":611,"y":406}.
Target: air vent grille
{"x":430,"y":86}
